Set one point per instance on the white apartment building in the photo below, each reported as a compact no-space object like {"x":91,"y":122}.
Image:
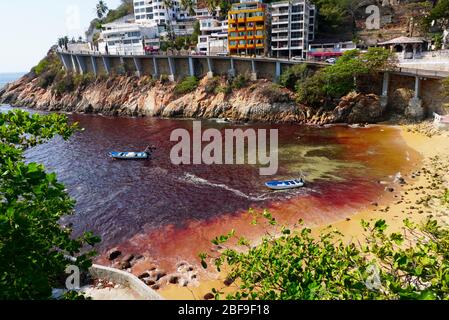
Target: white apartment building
{"x":292,"y":28}
{"x":214,"y":37}
{"x":126,"y":38}
{"x":155,"y":11}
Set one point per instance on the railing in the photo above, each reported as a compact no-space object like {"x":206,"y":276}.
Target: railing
{"x":423,"y":72}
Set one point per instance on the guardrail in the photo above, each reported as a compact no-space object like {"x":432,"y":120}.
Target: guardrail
{"x":422,"y":72}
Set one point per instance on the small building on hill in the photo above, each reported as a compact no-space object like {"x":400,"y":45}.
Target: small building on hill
{"x":410,"y":47}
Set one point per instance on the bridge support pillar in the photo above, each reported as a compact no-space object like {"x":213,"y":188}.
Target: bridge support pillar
{"x":82,"y":64}
{"x":231,"y":71}
{"x":385,"y":89}
{"x":210,"y":73}
{"x":278,"y":71}
{"x":191,"y":68}
{"x":138,"y":64}
{"x":107,"y":65}
{"x":253,"y":71}
{"x":155,"y":69}
{"x":171,"y":64}
{"x":94,"y":65}
{"x":415,"y":109}
{"x":64,"y":62}
{"x":75,"y":69}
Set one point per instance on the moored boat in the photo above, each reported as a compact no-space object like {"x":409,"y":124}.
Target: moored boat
{"x":129,"y":155}
{"x":285,"y":184}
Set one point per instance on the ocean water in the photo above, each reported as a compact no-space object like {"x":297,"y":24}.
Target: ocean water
{"x":6,"y":78}
{"x":172,"y":212}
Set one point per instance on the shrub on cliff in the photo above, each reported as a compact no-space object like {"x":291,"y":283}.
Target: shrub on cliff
{"x":328,"y":85}
{"x":64,"y":84}
{"x":239,"y":82}
{"x":33,"y":244}
{"x":292,"y":75}
{"x":187,"y":85}
{"x":274,"y":93}
{"x":212,"y":85}
{"x":412,"y":264}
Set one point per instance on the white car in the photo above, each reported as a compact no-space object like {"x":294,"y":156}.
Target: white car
{"x":298,"y":58}
{"x":331,"y":60}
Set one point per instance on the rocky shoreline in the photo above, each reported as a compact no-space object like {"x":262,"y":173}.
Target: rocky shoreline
{"x":260,"y":100}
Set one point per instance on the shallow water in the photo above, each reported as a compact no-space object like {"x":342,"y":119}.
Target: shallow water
{"x":171,"y":212}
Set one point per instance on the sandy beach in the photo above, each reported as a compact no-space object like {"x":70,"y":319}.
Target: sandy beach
{"x":414,"y":195}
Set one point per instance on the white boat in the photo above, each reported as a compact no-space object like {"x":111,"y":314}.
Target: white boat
{"x":285,"y":184}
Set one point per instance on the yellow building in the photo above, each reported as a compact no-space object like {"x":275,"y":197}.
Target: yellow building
{"x":247,"y":28}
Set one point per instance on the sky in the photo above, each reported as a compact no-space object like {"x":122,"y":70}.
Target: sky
{"x":28,"y":28}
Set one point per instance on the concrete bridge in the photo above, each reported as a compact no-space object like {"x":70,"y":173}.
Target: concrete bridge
{"x":176,"y":67}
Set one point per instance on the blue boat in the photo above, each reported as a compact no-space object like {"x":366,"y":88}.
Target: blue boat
{"x":285,"y":184}
{"x":129,"y":155}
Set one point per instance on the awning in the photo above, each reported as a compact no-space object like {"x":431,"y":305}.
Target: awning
{"x":325,"y":54}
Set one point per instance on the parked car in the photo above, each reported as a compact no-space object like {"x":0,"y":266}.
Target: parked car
{"x":297,"y":58}
{"x":331,"y":60}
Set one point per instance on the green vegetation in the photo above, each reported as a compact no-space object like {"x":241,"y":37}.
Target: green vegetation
{"x":48,"y":69}
{"x":187,"y":85}
{"x":225,"y":89}
{"x":212,"y":85}
{"x":33,"y":244}
{"x":439,"y":14}
{"x":328,"y":85}
{"x":295,"y":74}
{"x":274,"y":93}
{"x":446,"y":87}
{"x":69,"y":82}
{"x":239,"y":82}
{"x":412,"y":264}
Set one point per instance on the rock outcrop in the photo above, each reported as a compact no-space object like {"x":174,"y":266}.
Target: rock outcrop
{"x":131,"y":96}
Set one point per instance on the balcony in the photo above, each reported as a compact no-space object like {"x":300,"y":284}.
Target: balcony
{"x":278,"y":30}
{"x":280,"y":21}
{"x":279,"y":39}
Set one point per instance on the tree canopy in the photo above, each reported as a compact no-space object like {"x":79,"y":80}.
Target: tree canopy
{"x":33,"y":245}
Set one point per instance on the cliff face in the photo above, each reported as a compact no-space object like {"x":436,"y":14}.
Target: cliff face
{"x":131,"y":96}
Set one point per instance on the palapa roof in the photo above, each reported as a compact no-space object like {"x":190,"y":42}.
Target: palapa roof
{"x":403,"y":40}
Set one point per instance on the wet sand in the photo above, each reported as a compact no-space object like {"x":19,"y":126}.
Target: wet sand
{"x":409,"y":200}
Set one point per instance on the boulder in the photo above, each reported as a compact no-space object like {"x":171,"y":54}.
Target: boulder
{"x":113,"y":254}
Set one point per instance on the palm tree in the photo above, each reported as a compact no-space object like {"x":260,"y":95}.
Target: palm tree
{"x":169,"y":4}
{"x":189,"y":6}
{"x":102,"y":9}
{"x":212,"y":6}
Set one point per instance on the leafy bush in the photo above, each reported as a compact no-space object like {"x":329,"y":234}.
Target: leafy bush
{"x":212,"y":85}
{"x":46,"y":79}
{"x":187,"y":85}
{"x":328,"y":85}
{"x":292,"y":75}
{"x":41,"y":67}
{"x":82,"y":80}
{"x":64,"y":84}
{"x":239,"y":82}
{"x":226,"y":89}
{"x":48,"y":69}
{"x":412,"y":264}
{"x":33,"y":244}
